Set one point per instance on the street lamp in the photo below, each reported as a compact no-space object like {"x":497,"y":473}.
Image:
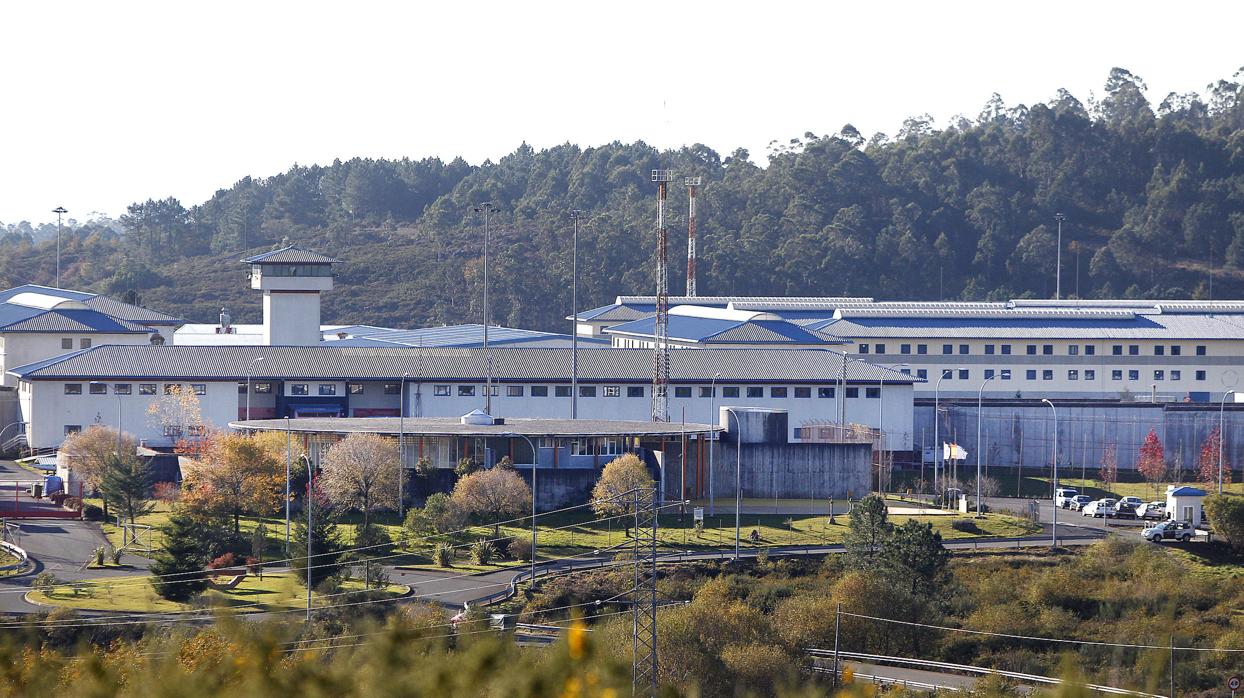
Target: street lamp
{"x":401,"y":448}
{"x":535,"y":456}
{"x":980,"y":398}
{"x":574,"y":313}
{"x":289,"y":456}
{"x":881,"y":422}
{"x":738,"y":476}
{"x":1222,"y":435}
{"x":1058,"y":264}
{"x":842,"y":391}
{"x":59,"y":211}
{"x":937,"y":442}
{"x":1054,"y":500}
{"x":486,"y":208}
{"x":712,"y":420}
{"x":250,"y":369}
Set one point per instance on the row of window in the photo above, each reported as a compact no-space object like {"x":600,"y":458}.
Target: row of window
{"x":264,"y":387}
{"x":1034,"y":349}
{"x":170,"y":430}
{"x":1073,"y":374}
{"x":127,"y":388}
{"x":682,"y":391}
{"x":67,"y":343}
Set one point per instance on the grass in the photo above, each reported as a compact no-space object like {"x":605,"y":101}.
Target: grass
{"x":1209,"y":560}
{"x":125,"y":594}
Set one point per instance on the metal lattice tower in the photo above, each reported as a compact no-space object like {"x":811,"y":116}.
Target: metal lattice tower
{"x":661,"y":353}
{"x":693,"y":183}
{"x":644,"y":594}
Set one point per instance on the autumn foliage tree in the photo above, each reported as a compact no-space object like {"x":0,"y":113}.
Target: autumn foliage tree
{"x":87,"y":452}
{"x":1152,"y":459}
{"x":1109,"y":471}
{"x":233,"y":476}
{"x":620,"y":476}
{"x":491,"y":495}
{"x":361,"y":472}
{"x":1207,"y":462}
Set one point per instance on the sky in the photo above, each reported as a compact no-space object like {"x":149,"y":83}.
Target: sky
{"x":103,"y":104}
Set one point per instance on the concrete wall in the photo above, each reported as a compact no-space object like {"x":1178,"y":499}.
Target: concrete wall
{"x":291,"y":319}
{"x":816,"y":471}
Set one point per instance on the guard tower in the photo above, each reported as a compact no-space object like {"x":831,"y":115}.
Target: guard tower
{"x":292,"y":280}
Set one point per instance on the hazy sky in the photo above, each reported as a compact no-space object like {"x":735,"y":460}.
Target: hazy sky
{"x":105,"y":103}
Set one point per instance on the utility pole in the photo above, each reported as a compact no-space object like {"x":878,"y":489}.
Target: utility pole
{"x":1058,"y":264}
{"x":575,"y":214}
{"x":661,"y":356}
{"x":60,"y":211}
{"x":692,"y":183}
{"x":486,"y":208}
{"x":837,"y":622}
{"x":644,"y":594}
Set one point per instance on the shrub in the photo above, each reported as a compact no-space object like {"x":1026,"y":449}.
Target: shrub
{"x":166,"y":492}
{"x":482,"y":552}
{"x":72,"y":503}
{"x":90,"y":512}
{"x":98,"y":556}
{"x":116,"y":556}
{"x":45,"y":582}
{"x":226,"y":560}
{"x":520,"y":549}
{"x":964,"y":526}
{"x":443,"y":555}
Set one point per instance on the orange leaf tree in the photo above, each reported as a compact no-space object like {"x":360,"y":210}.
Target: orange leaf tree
{"x":1151,"y":462}
{"x":233,"y":476}
{"x":1207,"y":463}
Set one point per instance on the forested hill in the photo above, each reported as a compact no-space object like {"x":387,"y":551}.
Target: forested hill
{"x":1151,"y":195}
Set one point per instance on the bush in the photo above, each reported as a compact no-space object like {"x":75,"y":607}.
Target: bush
{"x":98,"y":556}
{"x":520,"y":549}
{"x":226,"y":560}
{"x":964,"y":526}
{"x":443,"y":555}
{"x":45,"y":582}
{"x":72,"y":503}
{"x":116,"y":556}
{"x":482,"y":552}
{"x":90,"y":512}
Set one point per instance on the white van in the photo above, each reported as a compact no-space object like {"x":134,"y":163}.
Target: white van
{"x":1063,"y":496}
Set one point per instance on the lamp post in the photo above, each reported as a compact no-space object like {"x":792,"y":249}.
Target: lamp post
{"x":712,"y":419}
{"x":289,"y":457}
{"x":250,"y":370}
{"x":1222,"y":435}
{"x":1058,"y":264}
{"x":1054,"y":500}
{"x":738,"y":476}
{"x":535,"y":456}
{"x":59,"y":211}
{"x":881,"y":423}
{"x":937,"y":441}
{"x":842,"y":390}
{"x":401,"y":449}
{"x":486,"y":208}
{"x":574,"y":313}
{"x":980,"y":399}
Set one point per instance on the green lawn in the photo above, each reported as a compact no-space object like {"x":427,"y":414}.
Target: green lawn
{"x":273,"y":592}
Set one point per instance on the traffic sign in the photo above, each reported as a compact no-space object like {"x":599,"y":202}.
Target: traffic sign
{"x":698,"y":513}
{"x":1233,"y":683}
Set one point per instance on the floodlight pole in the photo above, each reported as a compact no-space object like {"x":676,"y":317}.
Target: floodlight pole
{"x":535,"y":456}
{"x":401,"y":449}
{"x":712,"y":438}
{"x":575,"y":214}
{"x":487,"y":209}
{"x":738,"y":476}
{"x":1058,"y":270}
{"x":1222,"y":435}
{"x":980,"y":398}
{"x":1054,"y":500}
{"x":59,"y":211}
{"x":289,"y":457}
{"x":937,"y":441}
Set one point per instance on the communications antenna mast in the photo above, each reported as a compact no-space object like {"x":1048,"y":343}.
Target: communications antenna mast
{"x":692,"y":183}
{"x":661,"y":353}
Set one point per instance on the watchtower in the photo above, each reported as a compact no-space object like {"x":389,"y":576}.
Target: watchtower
{"x":292,"y":280}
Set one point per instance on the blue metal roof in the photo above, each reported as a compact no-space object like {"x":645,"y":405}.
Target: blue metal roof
{"x":721,"y":331}
{"x":47,"y":291}
{"x":72,"y":320}
{"x":470,"y":335}
{"x":1187,"y":492}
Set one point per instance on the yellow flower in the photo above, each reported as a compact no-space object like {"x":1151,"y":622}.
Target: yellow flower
{"x":576,"y":639}
{"x":573,"y":688}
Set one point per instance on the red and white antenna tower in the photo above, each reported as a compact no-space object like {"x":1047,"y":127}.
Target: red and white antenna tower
{"x":661,"y":354}
{"x":692,"y":183}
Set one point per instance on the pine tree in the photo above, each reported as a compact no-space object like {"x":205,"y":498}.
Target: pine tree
{"x":867,"y":531}
{"x":126,"y":485}
{"x":326,"y":545}
{"x":1152,"y":459}
{"x":177,"y":570}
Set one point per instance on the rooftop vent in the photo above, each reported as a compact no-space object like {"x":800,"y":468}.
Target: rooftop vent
{"x":480,"y":418}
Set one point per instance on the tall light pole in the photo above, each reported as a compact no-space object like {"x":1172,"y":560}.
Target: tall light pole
{"x":1058,"y":263}
{"x":842,"y":390}
{"x":1222,"y":434}
{"x":535,"y":456}
{"x":937,"y":418}
{"x":574,"y":312}
{"x":881,"y":423}
{"x":712,"y":414}
{"x":738,"y":476}
{"x":59,"y":211}
{"x":289,"y":457}
{"x":250,"y":370}
{"x":1054,"y":500}
{"x":486,"y":208}
{"x":980,"y":399}
{"x":401,"y":449}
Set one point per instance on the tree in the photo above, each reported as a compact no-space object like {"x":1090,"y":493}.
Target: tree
{"x":180,"y":561}
{"x":611,"y":496}
{"x":1226,"y":513}
{"x":86,"y":452}
{"x":1109,"y":471}
{"x":1207,"y":462}
{"x":233,"y":476}
{"x":361,"y":472}
{"x":126,"y":485}
{"x":867,"y":530}
{"x":913,"y":553}
{"x":371,"y":542}
{"x":326,"y":546}
{"x":178,"y":413}
{"x":1151,"y":462}
{"x":492,"y":495}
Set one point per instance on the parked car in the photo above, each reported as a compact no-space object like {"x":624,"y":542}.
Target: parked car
{"x":1079,"y":501}
{"x":1102,"y":507}
{"x":1063,"y":496}
{"x":1169,"y":530}
{"x":1126,"y":508}
{"x":1155,"y":511}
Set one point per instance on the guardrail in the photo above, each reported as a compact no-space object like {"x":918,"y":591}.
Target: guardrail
{"x":15,"y":551}
{"x":887,"y":681}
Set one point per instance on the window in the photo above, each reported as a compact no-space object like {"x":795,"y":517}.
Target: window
{"x":730,"y":391}
{"x":1117,"y":349}
{"x":561,"y":391}
{"x":297,"y":389}
{"x":496,"y":390}
{"x":853,"y":392}
{"x":1133,"y":350}
{"x":963,"y":348}
{"x":440,"y":390}
{"x":1006,"y":374}
{"x":73,"y":388}
{"x":85,"y":343}
{"x":879,"y":349}
{"x":682,"y":391}
{"x":392,"y":388}
{"x":1133,"y":375}
{"x":172,"y":388}
{"x":826,"y":393}
{"x":146,"y":388}
{"x":803,"y":392}
{"x":755,"y":391}
{"x":948,"y":348}
{"x":638,"y":391}
{"x":172,"y":431}
{"x":777,"y":391}
{"x":1200,"y":350}
{"x":587,"y":391}
{"x":1090,"y":374}
{"x":66,"y":343}
{"x":706,"y":391}
{"x":1116,"y":375}
{"x":922,"y":374}
{"x":989,"y":373}
{"x":121,"y":389}
{"x":1159,"y":375}
{"x":1176,"y":375}
{"x":872,"y":393}
{"x":1176,"y":350}
{"x":72,"y":429}
{"x":99,"y":388}
{"x":1073,"y":375}
{"x":1159,"y":350}
{"x":241,"y":388}
{"x":1200,"y":375}
{"x":904,"y":348}
{"x":328,"y":389}
{"x":1006,"y":349}
{"x":1047,"y":349}
{"x":354,"y":388}
{"x":1032,"y":350}
{"x":1047,"y":374}
{"x":1073,"y":350}
{"x":922,"y":348}
{"x":199,"y":388}
{"x":1089,"y":350}
{"x":863,"y":348}
{"x":264,"y":388}
{"x":517,"y":391}
{"x":989,"y":349}
{"x":539,"y":391}
{"x":964,"y":374}
{"x":947,"y":373}
{"x":1030,"y":374}
{"x":466,"y":391}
